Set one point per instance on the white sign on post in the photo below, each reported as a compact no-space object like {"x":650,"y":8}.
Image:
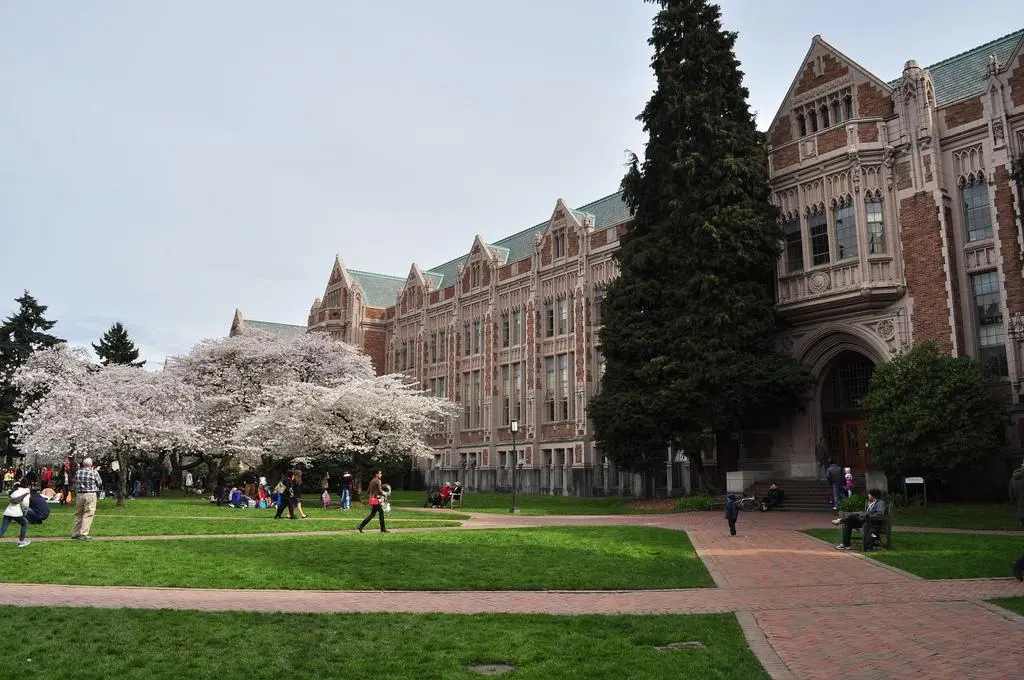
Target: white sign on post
{"x":914,"y":480}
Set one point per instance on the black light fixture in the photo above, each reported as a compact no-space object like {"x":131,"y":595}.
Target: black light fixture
{"x":514,"y":428}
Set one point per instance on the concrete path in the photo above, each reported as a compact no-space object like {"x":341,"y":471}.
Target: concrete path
{"x":808,"y":611}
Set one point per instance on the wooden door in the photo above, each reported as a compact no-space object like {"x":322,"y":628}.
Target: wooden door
{"x":854,"y":446}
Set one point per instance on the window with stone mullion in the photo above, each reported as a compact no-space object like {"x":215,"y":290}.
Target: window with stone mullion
{"x":794,"y":245}
{"x":977,"y":215}
{"x":817,"y":227}
{"x":846,"y":232}
{"x":876,"y":226}
{"x":989,"y":322}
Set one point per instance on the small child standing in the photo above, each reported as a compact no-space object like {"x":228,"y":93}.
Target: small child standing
{"x":326,"y":498}
{"x":732,"y":511}
{"x":849,"y":481}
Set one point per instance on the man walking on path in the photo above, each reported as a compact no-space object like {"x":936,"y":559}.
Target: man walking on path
{"x":376,"y":496}
{"x":834,"y":476}
{"x":821,"y":457}
{"x":87,"y":485}
{"x":1017,"y":491}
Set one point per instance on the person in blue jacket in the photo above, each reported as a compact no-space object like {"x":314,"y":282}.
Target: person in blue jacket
{"x":732,"y":511}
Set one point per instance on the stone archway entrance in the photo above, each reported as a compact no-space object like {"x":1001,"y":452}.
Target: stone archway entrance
{"x":843,"y":419}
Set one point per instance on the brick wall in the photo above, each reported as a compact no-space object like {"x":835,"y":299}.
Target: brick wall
{"x":1008,"y":241}
{"x":832,"y":68}
{"x":782,"y":132}
{"x":505,"y":272}
{"x":963,"y":112}
{"x":873,"y":102}
{"x":375,"y":346}
{"x":785,"y":157}
{"x":525,"y":265}
{"x":926,"y":280}
{"x":903,"y":180}
{"x":598,"y":239}
{"x":831,"y":140}
{"x":1016,"y":82}
{"x":545,"y":250}
{"x":867,"y":132}
{"x":574,"y":243}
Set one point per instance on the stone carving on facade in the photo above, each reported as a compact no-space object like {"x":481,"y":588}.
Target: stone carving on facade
{"x":886,"y":330}
{"x":998,"y":135}
{"x":538,"y":238}
{"x":819,"y":282}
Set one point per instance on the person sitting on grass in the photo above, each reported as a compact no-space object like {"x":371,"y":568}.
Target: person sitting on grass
{"x":872,"y":515}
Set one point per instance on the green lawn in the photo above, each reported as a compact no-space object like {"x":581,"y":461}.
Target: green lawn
{"x":960,"y":516}
{"x":530,"y":505}
{"x":1014,"y":604}
{"x":168,"y":516}
{"x":97,"y":644}
{"x":548,"y":558}
{"x":939,"y":556}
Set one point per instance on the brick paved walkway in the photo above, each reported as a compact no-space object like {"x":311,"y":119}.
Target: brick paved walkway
{"x":807,"y":610}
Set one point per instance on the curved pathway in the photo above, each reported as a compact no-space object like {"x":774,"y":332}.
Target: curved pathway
{"x":807,"y":610}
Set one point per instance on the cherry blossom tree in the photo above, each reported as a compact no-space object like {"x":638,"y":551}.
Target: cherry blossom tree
{"x":374,"y":420}
{"x":104,"y":412}
{"x":234,"y":377}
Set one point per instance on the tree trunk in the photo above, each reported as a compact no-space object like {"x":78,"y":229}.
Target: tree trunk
{"x":122,"y":478}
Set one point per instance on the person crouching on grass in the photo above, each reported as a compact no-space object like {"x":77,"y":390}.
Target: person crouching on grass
{"x":17,"y":509}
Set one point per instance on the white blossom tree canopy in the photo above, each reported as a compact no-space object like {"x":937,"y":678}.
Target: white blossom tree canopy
{"x":100,"y":411}
{"x":377,"y":418}
{"x":234,"y":377}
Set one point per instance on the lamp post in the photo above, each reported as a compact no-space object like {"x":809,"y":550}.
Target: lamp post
{"x":514,"y":428}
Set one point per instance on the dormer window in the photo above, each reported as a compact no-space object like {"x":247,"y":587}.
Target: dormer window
{"x":474,"y":275}
{"x":824,"y":112}
{"x":558,"y":240}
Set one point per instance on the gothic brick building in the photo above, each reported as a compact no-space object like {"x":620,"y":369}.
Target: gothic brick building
{"x":902,"y":224}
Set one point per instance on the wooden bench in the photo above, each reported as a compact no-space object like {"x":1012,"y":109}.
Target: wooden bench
{"x":880,"y":527}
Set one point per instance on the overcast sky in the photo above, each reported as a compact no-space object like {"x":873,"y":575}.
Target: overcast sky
{"x":162,"y":163}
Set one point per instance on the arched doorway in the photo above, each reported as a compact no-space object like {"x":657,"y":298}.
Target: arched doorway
{"x":843,"y":418}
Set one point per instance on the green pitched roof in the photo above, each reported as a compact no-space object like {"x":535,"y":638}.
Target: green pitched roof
{"x":963,"y":75}
{"x":380,"y":290}
{"x":284,"y":329}
{"x":606,"y":212}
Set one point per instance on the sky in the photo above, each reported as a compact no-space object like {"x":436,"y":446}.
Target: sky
{"x":163,"y":163}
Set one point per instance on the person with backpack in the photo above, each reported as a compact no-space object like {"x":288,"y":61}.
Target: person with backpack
{"x":17,"y":506}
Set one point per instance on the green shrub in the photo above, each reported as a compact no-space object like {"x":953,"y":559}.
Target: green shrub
{"x":695,"y":503}
{"x":854,"y":503}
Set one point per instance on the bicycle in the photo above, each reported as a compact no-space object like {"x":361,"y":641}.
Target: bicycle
{"x":749,"y":503}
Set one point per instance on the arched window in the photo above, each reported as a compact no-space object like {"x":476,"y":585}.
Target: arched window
{"x":837,"y":112}
{"x":848,"y":105}
{"x":801,"y":123}
{"x":814,"y":120}
{"x":824,"y":116}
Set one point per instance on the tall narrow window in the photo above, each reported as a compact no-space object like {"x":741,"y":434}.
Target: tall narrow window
{"x":599,"y":364}
{"x":848,"y":107}
{"x":549,"y":319}
{"x":846,"y":232}
{"x":837,"y":112}
{"x":817,"y":227}
{"x":467,"y":341}
{"x":549,"y":389}
{"x":476,"y":399}
{"x":814,"y":120}
{"x":801,"y":124}
{"x":558,"y":244}
{"x":991,"y":332}
{"x":442,"y":348}
{"x":466,"y":402}
{"x":506,"y":393}
{"x":433,"y":348}
{"x":517,"y":326}
{"x":563,"y":387}
{"x":876,"y":227}
{"x":505,"y":336}
{"x":794,"y":245}
{"x":478,"y":337}
{"x":595,"y":316}
{"x":977,"y":215}
{"x":517,"y":390}
{"x":824,"y":115}
{"x":563,"y":320}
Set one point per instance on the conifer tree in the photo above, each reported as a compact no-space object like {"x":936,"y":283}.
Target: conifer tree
{"x":21,"y":334}
{"x":115,"y":347}
{"x":689,"y":325}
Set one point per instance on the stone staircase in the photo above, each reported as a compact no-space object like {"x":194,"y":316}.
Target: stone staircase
{"x":803,"y":495}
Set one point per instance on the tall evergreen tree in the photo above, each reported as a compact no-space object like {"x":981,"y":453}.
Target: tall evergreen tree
{"x":115,"y":347}
{"x":21,"y":334}
{"x":689,"y":324}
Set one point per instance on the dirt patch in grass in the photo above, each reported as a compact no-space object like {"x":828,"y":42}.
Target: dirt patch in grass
{"x":661,"y":504}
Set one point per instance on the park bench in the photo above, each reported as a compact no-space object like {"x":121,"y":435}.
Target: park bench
{"x":456,"y":497}
{"x":880,"y":527}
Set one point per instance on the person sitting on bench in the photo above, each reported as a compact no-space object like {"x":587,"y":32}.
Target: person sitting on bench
{"x":773,"y":499}
{"x":872,"y":515}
